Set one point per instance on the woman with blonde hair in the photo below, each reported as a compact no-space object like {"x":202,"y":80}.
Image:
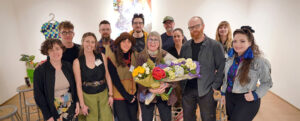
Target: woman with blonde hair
{"x":224,"y":35}
{"x":92,"y":79}
{"x":153,"y":51}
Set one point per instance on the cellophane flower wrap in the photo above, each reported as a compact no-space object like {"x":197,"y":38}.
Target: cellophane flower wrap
{"x":182,"y":69}
{"x":150,"y":76}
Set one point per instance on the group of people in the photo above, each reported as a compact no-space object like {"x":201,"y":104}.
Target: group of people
{"x":93,"y":81}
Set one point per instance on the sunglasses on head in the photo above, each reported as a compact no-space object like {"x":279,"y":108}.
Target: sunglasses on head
{"x":138,"y":15}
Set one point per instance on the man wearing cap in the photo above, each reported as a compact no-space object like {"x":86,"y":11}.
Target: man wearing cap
{"x":167,"y":37}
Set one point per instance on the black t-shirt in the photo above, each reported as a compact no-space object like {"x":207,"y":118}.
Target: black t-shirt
{"x":173,"y":52}
{"x":167,"y":41}
{"x":140,"y":44}
{"x":70,"y":54}
{"x":195,"y":52}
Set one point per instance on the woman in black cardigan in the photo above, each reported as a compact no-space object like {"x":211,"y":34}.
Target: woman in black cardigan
{"x":54,"y":84}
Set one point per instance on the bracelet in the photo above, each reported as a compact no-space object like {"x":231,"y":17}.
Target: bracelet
{"x":110,"y":95}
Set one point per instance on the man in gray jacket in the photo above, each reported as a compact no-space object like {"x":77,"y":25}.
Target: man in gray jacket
{"x":210,"y":54}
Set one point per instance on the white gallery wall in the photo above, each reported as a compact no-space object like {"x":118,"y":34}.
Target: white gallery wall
{"x":276,"y":23}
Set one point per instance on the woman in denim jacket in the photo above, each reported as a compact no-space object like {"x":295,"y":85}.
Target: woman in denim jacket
{"x":244,"y":68}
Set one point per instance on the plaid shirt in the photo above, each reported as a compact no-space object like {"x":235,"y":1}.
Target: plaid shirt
{"x":101,"y":49}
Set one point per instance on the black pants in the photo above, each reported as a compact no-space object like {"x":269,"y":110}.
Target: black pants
{"x":163,"y":108}
{"x":238,"y":109}
{"x":125,"y":111}
{"x":207,"y":105}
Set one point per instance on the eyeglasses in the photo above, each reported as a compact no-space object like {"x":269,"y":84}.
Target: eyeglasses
{"x":136,"y":23}
{"x":153,"y":40}
{"x":107,"y":29}
{"x":67,"y":32}
{"x":194,"y":27}
{"x":169,"y":22}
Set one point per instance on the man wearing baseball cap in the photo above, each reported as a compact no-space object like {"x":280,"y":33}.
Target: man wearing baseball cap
{"x":167,"y":37}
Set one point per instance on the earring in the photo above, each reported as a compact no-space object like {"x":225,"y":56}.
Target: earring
{"x":231,"y":52}
{"x":248,"y":54}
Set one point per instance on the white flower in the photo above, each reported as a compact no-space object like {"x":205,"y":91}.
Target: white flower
{"x":98,"y":62}
{"x":145,"y":65}
{"x":179,"y":71}
{"x":140,"y":75}
{"x":171,"y":75}
{"x":136,"y":78}
{"x":189,"y":60}
{"x":167,"y":69}
{"x":191,"y":65}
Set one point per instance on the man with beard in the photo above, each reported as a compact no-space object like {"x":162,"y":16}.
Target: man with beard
{"x":209,"y":53}
{"x":167,"y":37}
{"x":66,"y":32}
{"x":138,"y":33}
{"x":105,"y":31}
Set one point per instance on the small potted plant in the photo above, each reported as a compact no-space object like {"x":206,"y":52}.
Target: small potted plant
{"x":30,"y":65}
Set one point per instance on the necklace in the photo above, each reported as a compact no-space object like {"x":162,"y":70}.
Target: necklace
{"x":152,"y":53}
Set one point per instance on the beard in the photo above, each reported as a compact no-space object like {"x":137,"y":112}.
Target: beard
{"x":138,"y":31}
{"x":170,"y":29}
{"x":105,"y":38}
{"x":196,"y":34}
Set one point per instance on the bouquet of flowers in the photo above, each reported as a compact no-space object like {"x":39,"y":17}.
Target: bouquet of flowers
{"x":179,"y":69}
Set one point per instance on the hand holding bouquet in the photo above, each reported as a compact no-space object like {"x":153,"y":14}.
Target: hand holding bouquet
{"x":153,"y":77}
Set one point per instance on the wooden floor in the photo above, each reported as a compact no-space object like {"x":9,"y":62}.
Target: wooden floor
{"x":272,"y":108}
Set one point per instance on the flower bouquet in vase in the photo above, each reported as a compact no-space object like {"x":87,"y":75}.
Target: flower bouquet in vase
{"x":30,"y":65}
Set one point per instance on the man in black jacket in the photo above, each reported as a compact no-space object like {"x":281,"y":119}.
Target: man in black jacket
{"x":209,"y":54}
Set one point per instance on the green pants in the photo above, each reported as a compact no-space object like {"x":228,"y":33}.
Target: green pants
{"x":98,"y":106}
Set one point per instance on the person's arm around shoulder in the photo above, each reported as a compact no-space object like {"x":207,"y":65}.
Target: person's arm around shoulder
{"x":77,"y":75}
{"x":109,"y":82}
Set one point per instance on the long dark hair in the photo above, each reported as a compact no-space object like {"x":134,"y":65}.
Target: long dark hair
{"x":243,"y":72}
{"x":181,"y":31}
{"x":81,"y":52}
{"x":118,"y":51}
